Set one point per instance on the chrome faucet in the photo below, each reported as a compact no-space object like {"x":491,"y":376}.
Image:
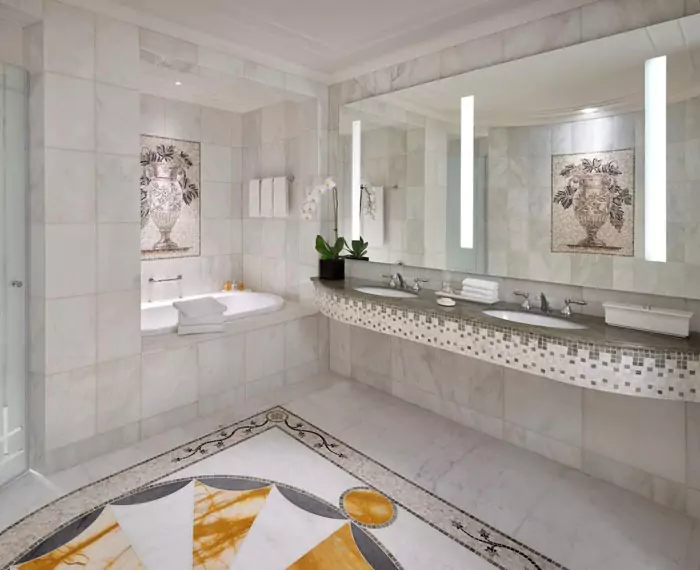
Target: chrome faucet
{"x":525,"y":305}
{"x":544,"y":304}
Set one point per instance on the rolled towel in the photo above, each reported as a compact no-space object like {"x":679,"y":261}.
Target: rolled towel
{"x":200,"y":329}
{"x":480,"y":290}
{"x":195,"y":308}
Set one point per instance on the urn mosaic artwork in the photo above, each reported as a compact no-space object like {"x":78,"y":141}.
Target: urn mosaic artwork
{"x":170,"y":198}
{"x":593,"y":203}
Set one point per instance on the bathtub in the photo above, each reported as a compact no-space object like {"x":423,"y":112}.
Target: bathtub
{"x":159,"y":317}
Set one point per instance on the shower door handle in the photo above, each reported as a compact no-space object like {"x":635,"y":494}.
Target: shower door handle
{"x":17,"y":283}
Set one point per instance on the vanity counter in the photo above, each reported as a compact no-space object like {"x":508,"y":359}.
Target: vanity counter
{"x":599,"y":357}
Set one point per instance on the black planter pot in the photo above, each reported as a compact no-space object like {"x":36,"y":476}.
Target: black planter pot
{"x":331,"y":269}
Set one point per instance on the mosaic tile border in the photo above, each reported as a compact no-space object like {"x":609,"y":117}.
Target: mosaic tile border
{"x":649,"y":373}
{"x":497,"y":548}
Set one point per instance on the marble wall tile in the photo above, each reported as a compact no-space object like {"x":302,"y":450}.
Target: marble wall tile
{"x":476,"y":54}
{"x":264,"y":352}
{"x":152,"y":115}
{"x":117,"y":120}
{"x":479,"y":421}
{"x":216,"y":200}
{"x":70,"y":260}
{"x":423,"y":367}
{"x":70,"y":326}
{"x":183,"y":121}
{"x":542,"y":35}
{"x":668,"y":493}
{"x":340,"y":353}
{"x":221,"y":365}
{"x":117,"y":176}
{"x":118,"y":257}
{"x":543,"y":406}
{"x":216,"y":237}
{"x":70,"y":407}
{"x":69,"y":119}
{"x":368,"y":377}
{"x":692,"y":503}
{"x":639,"y":432}
{"x":168,"y":47}
{"x":370,"y":350}
{"x":543,"y":445}
{"x":168,"y":420}
{"x":74,"y":170}
{"x":216,"y":163}
{"x":118,"y":393}
{"x":620,"y":474}
{"x":301,"y":341}
{"x":118,"y":325}
{"x":169,"y":380}
{"x":217,"y":126}
{"x":262,"y":386}
{"x":601,"y":19}
{"x":69,"y":40}
{"x":692,"y":431}
{"x":117,"y":53}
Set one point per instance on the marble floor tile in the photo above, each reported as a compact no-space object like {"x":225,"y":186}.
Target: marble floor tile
{"x":581,"y":522}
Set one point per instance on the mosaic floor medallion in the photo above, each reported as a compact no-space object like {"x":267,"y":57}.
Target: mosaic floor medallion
{"x":270,"y":492}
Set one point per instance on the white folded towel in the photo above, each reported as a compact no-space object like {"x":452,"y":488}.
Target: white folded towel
{"x":206,"y":320}
{"x":480,"y":290}
{"x":480,"y":284}
{"x":202,"y":307}
{"x":200,"y":329}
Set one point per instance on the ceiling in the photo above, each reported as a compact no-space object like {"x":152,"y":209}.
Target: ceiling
{"x":606,"y":75}
{"x":238,"y":95}
{"x":330,"y":36}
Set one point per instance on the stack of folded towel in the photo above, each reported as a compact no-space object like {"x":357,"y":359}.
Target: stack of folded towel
{"x":205,"y":315}
{"x":479,"y":290}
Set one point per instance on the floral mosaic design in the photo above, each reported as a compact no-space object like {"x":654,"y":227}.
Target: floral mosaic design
{"x":593,"y":203}
{"x":170,"y":198}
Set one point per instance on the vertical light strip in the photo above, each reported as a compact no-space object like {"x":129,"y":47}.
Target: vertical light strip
{"x":356,"y":177}
{"x":467,"y":175}
{"x":655,"y":160}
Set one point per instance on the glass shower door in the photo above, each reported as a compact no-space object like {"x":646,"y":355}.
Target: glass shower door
{"x":13,"y":291}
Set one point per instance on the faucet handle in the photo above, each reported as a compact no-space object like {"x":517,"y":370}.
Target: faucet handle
{"x":582,"y":303}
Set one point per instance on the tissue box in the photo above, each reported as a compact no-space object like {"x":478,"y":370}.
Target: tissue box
{"x":651,"y":319}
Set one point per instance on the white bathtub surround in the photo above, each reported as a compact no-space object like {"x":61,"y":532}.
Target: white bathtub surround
{"x":160,"y":317}
{"x":177,"y":379}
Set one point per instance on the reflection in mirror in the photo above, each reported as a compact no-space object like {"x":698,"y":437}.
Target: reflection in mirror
{"x":559,"y":167}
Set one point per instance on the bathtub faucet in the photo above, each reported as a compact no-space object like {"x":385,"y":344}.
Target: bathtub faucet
{"x":178,"y":278}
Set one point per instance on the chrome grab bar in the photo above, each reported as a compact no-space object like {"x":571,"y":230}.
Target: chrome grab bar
{"x":178,"y":278}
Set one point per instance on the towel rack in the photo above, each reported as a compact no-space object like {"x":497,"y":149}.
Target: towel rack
{"x":178,"y":278}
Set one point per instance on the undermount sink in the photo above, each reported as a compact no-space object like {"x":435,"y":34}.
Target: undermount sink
{"x":535,"y":320}
{"x":386,"y":292}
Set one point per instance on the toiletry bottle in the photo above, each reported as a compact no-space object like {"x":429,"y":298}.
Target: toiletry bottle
{"x":227,"y":285}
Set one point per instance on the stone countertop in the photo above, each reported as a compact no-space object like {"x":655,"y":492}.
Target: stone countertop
{"x":597,"y":332}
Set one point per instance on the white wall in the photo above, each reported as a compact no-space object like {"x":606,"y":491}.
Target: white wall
{"x":11,"y":46}
{"x":221,"y":136}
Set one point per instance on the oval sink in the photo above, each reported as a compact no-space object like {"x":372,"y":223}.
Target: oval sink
{"x":535,"y":320}
{"x":386,"y":292}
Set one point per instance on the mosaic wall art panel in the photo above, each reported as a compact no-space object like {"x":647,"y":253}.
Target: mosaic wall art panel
{"x":170,"y":198}
{"x":593,"y":203}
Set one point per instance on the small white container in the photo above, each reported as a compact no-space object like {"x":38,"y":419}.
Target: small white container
{"x":647,"y":318}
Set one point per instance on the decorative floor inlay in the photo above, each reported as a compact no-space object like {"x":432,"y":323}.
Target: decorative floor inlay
{"x":272,"y":491}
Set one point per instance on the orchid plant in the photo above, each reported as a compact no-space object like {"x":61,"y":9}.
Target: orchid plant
{"x":310,"y":207}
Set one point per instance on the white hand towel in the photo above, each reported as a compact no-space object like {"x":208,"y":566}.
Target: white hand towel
{"x":280,"y":198}
{"x":197,"y":308}
{"x":254,"y":199}
{"x":266,"y":208}
{"x":199,"y":329}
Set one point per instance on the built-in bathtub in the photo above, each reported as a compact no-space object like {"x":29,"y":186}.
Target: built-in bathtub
{"x":158,"y":317}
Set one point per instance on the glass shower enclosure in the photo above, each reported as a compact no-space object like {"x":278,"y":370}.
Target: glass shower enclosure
{"x":13,"y":267}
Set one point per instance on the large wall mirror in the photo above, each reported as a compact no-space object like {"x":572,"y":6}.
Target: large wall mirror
{"x":563,"y":147}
